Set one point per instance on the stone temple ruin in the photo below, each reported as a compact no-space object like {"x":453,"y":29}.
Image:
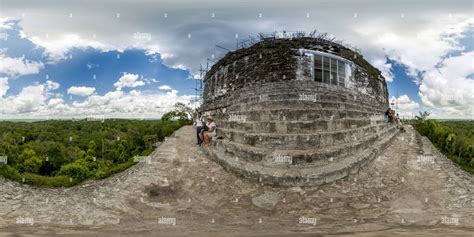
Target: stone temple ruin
{"x":296,"y":111}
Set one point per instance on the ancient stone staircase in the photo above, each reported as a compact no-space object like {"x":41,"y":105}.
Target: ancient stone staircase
{"x":288,"y":139}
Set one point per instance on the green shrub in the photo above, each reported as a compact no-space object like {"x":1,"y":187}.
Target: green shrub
{"x":56,"y":181}
{"x":10,"y":172}
{"x":454,"y":138}
{"x":75,"y":171}
{"x":32,"y":165}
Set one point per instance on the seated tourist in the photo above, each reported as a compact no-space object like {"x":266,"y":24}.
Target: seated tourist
{"x":199,"y":125}
{"x":211,"y":131}
{"x":387,"y":113}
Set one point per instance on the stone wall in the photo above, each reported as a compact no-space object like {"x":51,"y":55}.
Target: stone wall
{"x":278,"y":125}
{"x":281,"y":60}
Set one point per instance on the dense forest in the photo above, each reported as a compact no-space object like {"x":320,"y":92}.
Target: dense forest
{"x":66,"y":152}
{"x":455,"y":139}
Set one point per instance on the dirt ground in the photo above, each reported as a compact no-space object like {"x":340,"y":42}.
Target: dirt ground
{"x":409,"y":190}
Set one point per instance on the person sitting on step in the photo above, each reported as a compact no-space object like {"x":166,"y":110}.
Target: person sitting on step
{"x":199,"y":125}
{"x":210,"y":133}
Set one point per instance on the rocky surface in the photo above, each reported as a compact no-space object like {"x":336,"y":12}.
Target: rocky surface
{"x":409,"y":188}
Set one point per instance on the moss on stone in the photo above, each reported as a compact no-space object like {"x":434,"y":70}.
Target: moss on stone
{"x":272,"y":60}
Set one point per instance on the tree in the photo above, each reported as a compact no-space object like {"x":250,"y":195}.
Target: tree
{"x":73,"y":153}
{"x":32,"y":164}
{"x":150,"y":140}
{"x":89,"y":162}
{"x":422,"y":116}
{"x":122,"y":153}
{"x":91,"y":149}
{"x":75,"y":171}
{"x":180,"y":112}
{"x":29,"y":161}
{"x":450,"y":144}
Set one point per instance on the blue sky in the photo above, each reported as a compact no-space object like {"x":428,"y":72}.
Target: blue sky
{"x":93,"y":68}
{"x":75,"y":59}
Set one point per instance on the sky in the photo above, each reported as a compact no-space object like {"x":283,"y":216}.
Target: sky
{"x":136,"y":59}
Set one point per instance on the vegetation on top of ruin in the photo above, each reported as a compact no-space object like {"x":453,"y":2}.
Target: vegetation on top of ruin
{"x":283,"y":47}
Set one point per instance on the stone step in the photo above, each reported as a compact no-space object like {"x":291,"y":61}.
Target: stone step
{"x":299,"y":141}
{"x":250,"y":153}
{"x":294,"y":114}
{"x":305,"y":156}
{"x":299,"y":104}
{"x":298,"y":176}
{"x":305,"y":95}
{"x":295,"y":127}
{"x":297,"y":87}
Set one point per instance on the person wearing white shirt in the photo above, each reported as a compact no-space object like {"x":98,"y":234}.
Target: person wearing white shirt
{"x":198,"y":123}
{"x":211,"y":131}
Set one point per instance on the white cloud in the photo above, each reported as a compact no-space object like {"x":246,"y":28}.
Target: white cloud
{"x":376,"y":24}
{"x":118,"y":104}
{"x":403,"y":102}
{"x":385,"y":68}
{"x":448,"y":89}
{"x":128,"y":80}
{"x":3,"y":86}
{"x":150,"y":80}
{"x":36,"y":102}
{"x":420,"y":40}
{"x":404,"y":106}
{"x":444,"y":86}
{"x":18,"y":66}
{"x":51,"y":85}
{"x":81,"y":90}
{"x":165,"y":87}
{"x":56,"y":103}
{"x":422,"y":50}
{"x":132,"y":104}
{"x":5,"y":24}
{"x":58,"y":48}
{"x":135,"y":93}
{"x":31,"y":98}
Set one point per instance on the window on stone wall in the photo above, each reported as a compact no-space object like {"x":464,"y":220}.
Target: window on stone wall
{"x":341,"y":72}
{"x":329,"y":70}
{"x":326,"y":70}
{"x":318,"y":68}
{"x":333,"y":71}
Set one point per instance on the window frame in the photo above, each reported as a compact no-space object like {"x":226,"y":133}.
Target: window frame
{"x":343,"y":80}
